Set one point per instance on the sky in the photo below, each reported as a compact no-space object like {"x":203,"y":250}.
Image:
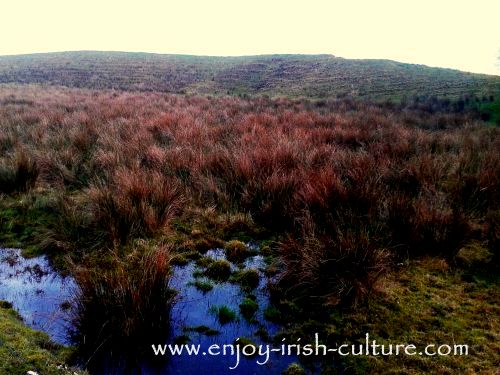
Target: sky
{"x":455,"y":34}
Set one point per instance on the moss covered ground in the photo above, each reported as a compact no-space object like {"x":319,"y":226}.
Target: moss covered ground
{"x":23,"y":349}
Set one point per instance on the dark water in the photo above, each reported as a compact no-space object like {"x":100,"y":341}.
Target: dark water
{"x":40,"y":295}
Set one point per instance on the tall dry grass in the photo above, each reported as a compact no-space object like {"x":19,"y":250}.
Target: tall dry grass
{"x":371,"y":180}
{"x":134,"y":203}
{"x":122,"y":304}
{"x":18,"y":173}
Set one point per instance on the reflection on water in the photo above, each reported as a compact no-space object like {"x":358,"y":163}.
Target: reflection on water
{"x":41,"y":297}
{"x":194,"y":309}
{"x":39,"y":294}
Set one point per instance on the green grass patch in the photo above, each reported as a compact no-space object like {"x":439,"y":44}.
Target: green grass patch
{"x":179,"y":260}
{"x":203,"y":285}
{"x":427,"y":302}
{"x":294,"y":369}
{"x":490,"y":111}
{"x":219,"y":270}
{"x":224,"y":314}
{"x":204,"y":262}
{"x":248,"y":308}
{"x":272,"y":314}
{"x":25,"y":220}
{"x":23,"y":349}
{"x":248,"y":279}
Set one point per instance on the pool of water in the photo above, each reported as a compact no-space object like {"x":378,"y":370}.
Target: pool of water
{"x":43,"y":298}
{"x":195,"y":308}
{"x":40,"y":295}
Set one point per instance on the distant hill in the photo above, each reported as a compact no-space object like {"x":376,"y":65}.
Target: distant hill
{"x":313,"y":76}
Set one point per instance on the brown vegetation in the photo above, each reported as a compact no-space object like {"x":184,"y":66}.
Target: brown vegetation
{"x":349,"y":186}
{"x":122,"y":303}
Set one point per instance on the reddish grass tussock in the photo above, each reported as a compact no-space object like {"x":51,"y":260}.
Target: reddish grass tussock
{"x":124,"y":304}
{"x":18,"y":172}
{"x":336,"y":267}
{"x":134,"y":203}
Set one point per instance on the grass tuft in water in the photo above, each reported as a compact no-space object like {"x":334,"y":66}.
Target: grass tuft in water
{"x":202,"y":285}
{"x":125,"y":305}
{"x":224,"y":314}
{"x":248,"y":279}
{"x":248,"y":308}
{"x":236,"y":251}
{"x":294,"y":369}
{"x":219,"y":270}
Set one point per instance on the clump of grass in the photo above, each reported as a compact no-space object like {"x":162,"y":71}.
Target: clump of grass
{"x":224,"y":314}
{"x":134,"y":203}
{"x":236,"y":251}
{"x":179,"y":260}
{"x":294,"y":369}
{"x":125,"y":304}
{"x":203,"y":286}
{"x":249,"y":279}
{"x":219,"y":270}
{"x":272,"y":314}
{"x":474,"y":255}
{"x":206,"y":243}
{"x":266,"y":250}
{"x":248,"y":308}
{"x":343,"y":269}
{"x":19,"y":174}
{"x":204,"y":261}
{"x":197,"y":273}
{"x":202,"y":245}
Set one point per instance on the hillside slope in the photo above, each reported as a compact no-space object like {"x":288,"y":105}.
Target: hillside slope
{"x":313,"y":76}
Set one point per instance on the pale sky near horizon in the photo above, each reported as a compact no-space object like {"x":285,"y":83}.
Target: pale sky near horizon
{"x":456,"y":34}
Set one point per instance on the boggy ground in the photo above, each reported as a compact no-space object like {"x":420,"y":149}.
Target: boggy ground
{"x":353,"y":203}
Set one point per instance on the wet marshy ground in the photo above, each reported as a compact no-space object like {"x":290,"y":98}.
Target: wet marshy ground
{"x":40,"y":295}
{"x":197,"y":308}
{"x":209,"y":309}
